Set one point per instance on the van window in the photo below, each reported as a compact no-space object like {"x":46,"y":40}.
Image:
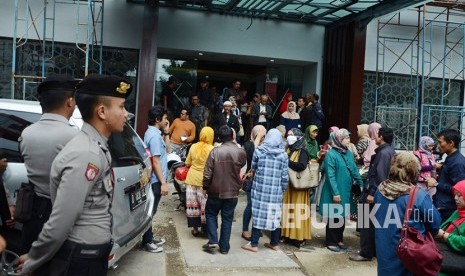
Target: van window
{"x":12,"y":124}
{"x":126,"y":148}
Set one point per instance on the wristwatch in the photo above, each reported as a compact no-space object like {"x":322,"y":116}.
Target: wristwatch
{"x":165,"y":134}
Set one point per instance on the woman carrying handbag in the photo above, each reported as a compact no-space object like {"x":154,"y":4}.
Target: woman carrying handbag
{"x":295,"y":228}
{"x":392,"y":197}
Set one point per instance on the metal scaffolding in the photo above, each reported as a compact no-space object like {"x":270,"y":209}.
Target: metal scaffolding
{"x":430,"y":46}
{"x":32,"y":16}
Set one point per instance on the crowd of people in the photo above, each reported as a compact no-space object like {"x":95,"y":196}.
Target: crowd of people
{"x":229,"y":137}
{"x":360,"y":175}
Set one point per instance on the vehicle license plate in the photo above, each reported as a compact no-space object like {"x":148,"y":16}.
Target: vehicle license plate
{"x":137,"y":198}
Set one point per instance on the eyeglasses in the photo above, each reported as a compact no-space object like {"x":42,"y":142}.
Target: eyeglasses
{"x":195,"y":99}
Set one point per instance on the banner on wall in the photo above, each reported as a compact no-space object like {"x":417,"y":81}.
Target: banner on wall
{"x":271,"y":87}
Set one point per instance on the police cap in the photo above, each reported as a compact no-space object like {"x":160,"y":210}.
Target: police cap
{"x":104,"y":85}
{"x":57,"y":83}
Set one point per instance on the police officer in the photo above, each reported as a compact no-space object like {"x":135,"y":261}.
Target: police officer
{"x":39,"y":145}
{"x":76,"y":240}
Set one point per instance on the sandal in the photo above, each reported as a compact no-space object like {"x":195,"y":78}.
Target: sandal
{"x":246,"y":238}
{"x":342,"y":246}
{"x":250,"y":248}
{"x":334,"y":248}
{"x":195,"y":233}
{"x":275,"y":248}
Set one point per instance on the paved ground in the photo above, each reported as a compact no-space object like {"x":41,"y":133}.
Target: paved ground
{"x":183,"y":254}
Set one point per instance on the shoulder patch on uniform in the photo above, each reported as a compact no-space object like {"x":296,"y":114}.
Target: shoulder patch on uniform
{"x":91,"y":171}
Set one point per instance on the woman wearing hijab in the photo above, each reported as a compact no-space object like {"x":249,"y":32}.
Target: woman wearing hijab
{"x":195,"y":199}
{"x":299,"y":227}
{"x":427,"y":163}
{"x":269,"y":165}
{"x":363,"y":139}
{"x":341,"y":171}
{"x":328,"y":144}
{"x":290,"y":118}
{"x":373,"y":130}
{"x":321,"y":155}
{"x":256,"y":138}
{"x":452,"y":230}
{"x":392,"y":197}
{"x":312,"y":145}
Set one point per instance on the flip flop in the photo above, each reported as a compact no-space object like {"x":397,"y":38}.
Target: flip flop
{"x":275,"y":248}
{"x":334,"y":248}
{"x":342,"y":246}
{"x":250,"y":248}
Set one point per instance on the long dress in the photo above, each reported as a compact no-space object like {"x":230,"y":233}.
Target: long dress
{"x":296,"y":204}
{"x":338,"y":181}
{"x":270,"y":181}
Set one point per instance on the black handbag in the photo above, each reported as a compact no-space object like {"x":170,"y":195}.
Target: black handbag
{"x":453,"y":262}
{"x":247,"y":181}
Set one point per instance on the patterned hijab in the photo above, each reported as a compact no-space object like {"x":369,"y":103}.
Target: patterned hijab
{"x":425,"y":141}
{"x":273,"y":142}
{"x":404,"y":171}
{"x":300,"y":143}
{"x":331,"y":135}
{"x":338,"y":136}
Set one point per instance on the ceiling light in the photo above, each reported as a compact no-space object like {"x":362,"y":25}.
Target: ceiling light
{"x":200,"y":54}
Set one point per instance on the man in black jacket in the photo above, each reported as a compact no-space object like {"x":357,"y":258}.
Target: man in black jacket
{"x":262,"y":113}
{"x":306,"y":113}
{"x":378,"y":172}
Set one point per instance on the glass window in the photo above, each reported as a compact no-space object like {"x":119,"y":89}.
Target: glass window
{"x":126,"y":148}
{"x":12,"y":124}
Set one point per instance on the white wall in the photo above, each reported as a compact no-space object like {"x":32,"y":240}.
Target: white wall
{"x":181,"y":29}
{"x":434,"y":41}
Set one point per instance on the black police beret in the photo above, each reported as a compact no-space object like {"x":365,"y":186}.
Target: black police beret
{"x":104,"y":85}
{"x":57,"y":83}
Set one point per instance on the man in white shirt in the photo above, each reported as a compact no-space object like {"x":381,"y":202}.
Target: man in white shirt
{"x":261,"y":112}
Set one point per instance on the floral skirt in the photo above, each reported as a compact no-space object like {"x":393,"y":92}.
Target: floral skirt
{"x":195,"y":206}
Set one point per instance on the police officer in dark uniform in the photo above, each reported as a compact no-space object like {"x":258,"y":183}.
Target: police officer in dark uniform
{"x":40,"y":143}
{"x":76,"y":240}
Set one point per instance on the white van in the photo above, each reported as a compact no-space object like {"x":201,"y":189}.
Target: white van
{"x":133,"y":199}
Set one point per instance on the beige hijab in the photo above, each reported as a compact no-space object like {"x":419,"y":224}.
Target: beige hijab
{"x":291,"y":115}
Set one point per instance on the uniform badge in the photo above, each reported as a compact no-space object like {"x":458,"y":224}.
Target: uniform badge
{"x":91,"y":171}
{"x":123,"y":88}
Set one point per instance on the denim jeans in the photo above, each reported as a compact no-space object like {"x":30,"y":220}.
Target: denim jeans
{"x":274,"y":236}
{"x":156,"y":189}
{"x":213,"y":207}
{"x":247,"y":216}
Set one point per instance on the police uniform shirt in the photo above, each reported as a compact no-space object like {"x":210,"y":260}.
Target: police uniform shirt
{"x":39,"y":145}
{"x":80,"y":188}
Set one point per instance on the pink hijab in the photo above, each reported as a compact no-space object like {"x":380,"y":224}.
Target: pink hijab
{"x":373,"y":129}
